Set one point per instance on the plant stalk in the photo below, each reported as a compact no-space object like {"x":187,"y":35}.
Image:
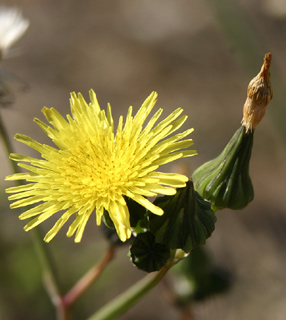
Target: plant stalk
{"x":88,"y":279}
{"x":124,"y":301}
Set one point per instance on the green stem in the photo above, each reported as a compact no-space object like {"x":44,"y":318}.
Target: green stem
{"x":49,"y":274}
{"x":123,"y":302}
{"x":48,"y":271}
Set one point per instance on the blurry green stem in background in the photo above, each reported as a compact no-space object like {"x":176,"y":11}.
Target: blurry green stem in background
{"x":248,"y":47}
{"x":48,"y":270}
{"x":238,"y":33}
{"x":7,"y":145}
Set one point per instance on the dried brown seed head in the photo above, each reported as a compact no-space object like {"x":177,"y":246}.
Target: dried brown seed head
{"x":259,"y":94}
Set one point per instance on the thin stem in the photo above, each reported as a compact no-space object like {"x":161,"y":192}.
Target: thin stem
{"x":123,"y":302}
{"x":88,"y":279}
{"x":49,"y":274}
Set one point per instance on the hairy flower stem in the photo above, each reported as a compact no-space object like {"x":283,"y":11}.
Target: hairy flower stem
{"x":88,"y":279}
{"x":48,"y":270}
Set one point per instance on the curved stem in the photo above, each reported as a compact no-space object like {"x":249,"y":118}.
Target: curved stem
{"x":88,"y":279}
{"x":123,"y":302}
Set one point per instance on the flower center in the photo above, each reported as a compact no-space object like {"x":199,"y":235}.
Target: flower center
{"x":94,"y":172}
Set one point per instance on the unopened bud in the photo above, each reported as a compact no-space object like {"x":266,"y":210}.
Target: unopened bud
{"x":148,"y":255}
{"x":187,"y":222}
{"x":259,"y":94}
{"x":225,"y":180}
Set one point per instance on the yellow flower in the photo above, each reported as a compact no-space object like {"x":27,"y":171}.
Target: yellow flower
{"x":93,"y":168}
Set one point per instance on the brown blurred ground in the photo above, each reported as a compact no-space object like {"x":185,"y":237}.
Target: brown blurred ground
{"x":124,"y":50}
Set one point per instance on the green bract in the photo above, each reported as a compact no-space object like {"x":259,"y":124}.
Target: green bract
{"x":187,"y":221}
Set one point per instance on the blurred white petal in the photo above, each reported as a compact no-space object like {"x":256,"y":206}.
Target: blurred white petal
{"x":13,"y":26}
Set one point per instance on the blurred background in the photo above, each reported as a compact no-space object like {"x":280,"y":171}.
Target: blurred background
{"x":198,"y":55}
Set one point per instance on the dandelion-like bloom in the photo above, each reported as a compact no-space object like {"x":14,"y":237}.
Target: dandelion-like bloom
{"x":93,"y":168}
{"x":12,"y":27}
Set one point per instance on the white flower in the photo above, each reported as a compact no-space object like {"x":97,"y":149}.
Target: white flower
{"x":12,"y":27}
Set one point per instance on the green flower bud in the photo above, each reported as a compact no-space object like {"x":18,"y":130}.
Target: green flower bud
{"x":187,"y":220}
{"x":225,"y":180}
{"x":147,"y":254}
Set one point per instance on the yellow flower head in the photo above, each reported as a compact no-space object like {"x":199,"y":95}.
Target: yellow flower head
{"x":93,"y":168}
